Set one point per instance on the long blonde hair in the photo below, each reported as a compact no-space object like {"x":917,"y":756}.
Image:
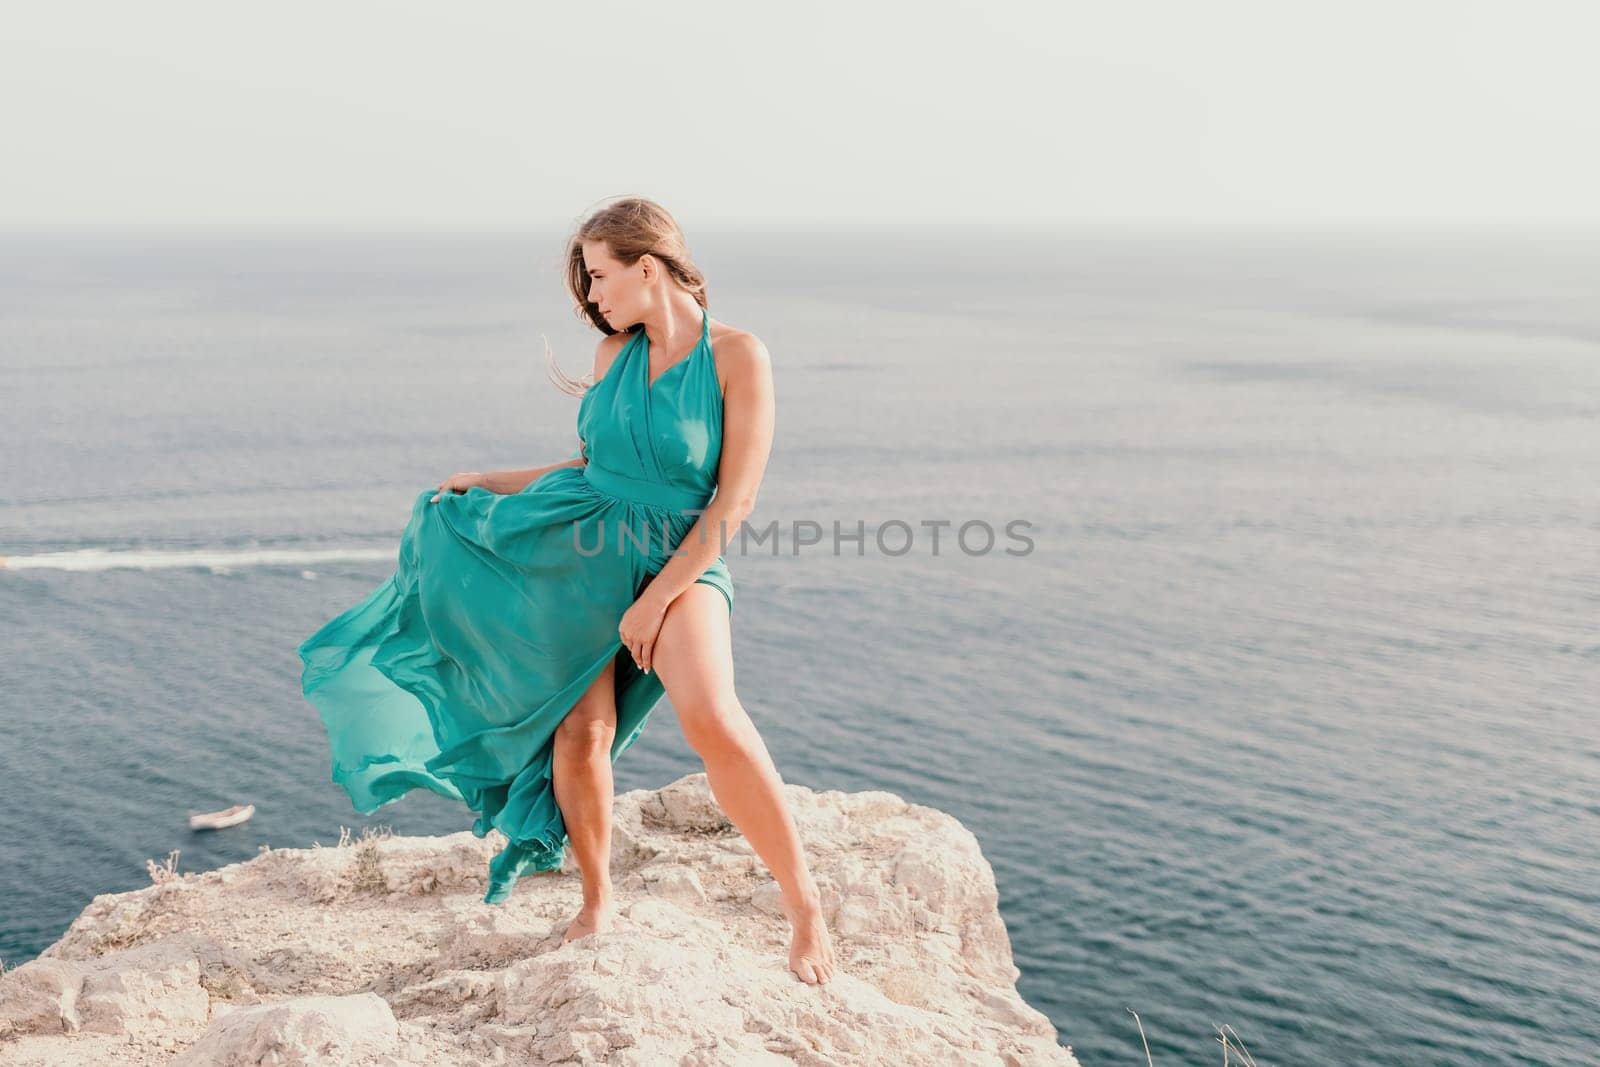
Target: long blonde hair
{"x":630,"y":227}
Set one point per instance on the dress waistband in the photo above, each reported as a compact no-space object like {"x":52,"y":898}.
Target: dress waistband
{"x":640,"y":491}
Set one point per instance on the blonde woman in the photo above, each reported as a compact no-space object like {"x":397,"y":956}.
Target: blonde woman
{"x":537,"y":616}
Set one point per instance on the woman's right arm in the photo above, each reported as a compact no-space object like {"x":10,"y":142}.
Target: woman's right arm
{"x":515,"y":481}
{"x":507,"y":482}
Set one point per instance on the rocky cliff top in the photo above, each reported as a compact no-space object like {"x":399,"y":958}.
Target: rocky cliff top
{"x":380,"y":951}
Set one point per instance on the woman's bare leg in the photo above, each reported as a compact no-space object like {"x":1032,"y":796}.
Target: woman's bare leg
{"x":583,"y":785}
{"x":694,"y":657}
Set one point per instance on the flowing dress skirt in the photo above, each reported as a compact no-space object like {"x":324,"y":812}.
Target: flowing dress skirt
{"x":453,"y":674}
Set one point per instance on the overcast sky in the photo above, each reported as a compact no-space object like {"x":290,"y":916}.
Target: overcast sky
{"x":492,"y":114}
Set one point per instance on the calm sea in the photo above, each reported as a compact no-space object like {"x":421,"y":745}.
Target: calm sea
{"x":1286,"y":721}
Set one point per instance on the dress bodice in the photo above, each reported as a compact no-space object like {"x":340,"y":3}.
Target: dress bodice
{"x":665,"y":435}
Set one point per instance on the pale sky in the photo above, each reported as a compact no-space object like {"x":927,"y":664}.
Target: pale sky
{"x":490,"y":114}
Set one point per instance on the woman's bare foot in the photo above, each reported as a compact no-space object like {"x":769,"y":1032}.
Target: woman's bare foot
{"x":810,"y":949}
{"x":593,"y":918}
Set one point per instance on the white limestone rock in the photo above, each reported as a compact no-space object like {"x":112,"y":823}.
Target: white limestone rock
{"x":381,"y":952}
{"x":301,"y":1030}
{"x":144,"y":991}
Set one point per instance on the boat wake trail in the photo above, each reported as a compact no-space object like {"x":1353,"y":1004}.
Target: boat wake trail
{"x":221,"y":560}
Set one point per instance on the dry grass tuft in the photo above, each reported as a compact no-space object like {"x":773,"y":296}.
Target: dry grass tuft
{"x":161,"y":873}
{"x":1229,"y":1045}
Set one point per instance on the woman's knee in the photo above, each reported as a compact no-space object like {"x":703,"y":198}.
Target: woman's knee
{"x":715,"y":724}
{"x":587,"y":730}
{"x":583,"y":742}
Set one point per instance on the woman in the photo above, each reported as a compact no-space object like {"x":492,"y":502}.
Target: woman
{"x":537,"y":616}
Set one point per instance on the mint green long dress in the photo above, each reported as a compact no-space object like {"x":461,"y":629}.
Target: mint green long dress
{"x":454,"y":673}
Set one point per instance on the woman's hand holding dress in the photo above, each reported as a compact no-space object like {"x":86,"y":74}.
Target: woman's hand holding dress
{"x":639,"y":627}
{"x":460,"y":483}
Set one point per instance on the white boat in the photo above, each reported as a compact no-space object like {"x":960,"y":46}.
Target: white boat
{"x":216,"y":820}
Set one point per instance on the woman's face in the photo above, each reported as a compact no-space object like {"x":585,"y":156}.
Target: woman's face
{"x":613,"y":288}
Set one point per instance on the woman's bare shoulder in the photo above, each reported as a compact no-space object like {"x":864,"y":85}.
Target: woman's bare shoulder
{"x":605,"y":353}
{"x":736,"y":352}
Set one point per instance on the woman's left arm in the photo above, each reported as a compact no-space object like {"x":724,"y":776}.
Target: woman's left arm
{"x":748,"y":420}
